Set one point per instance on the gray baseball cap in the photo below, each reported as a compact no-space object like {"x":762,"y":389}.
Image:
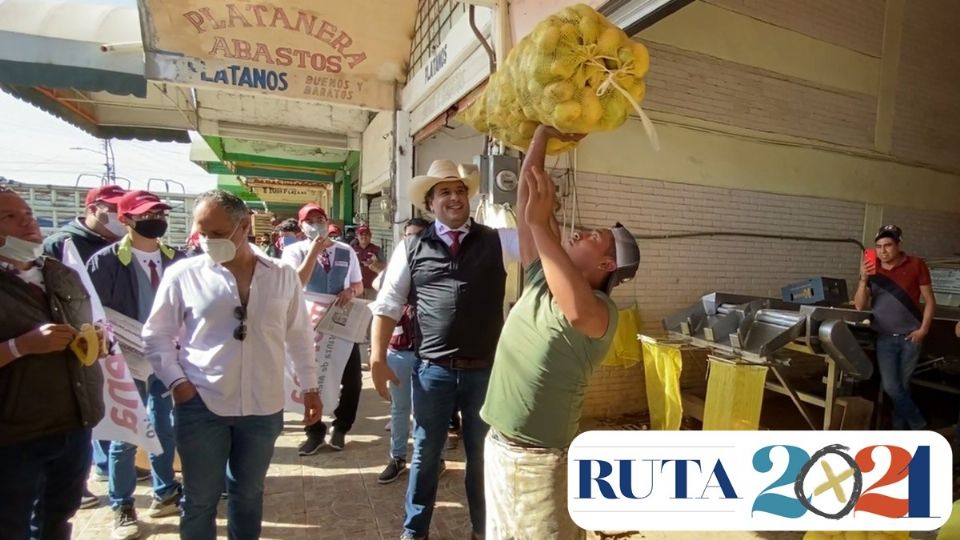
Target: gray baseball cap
{"x":628,"y":257}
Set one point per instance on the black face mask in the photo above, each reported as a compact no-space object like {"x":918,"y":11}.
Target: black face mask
{"x":151,"y":228}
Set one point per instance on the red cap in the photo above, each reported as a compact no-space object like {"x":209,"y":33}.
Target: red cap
{"x":310,"y":207}
{"x":363,"y":229}
{"x":106,"y":194}
{"x":136,"y":203}
{"x":333,"y":228}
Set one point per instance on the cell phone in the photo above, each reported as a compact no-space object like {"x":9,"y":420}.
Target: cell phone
{"x":870,"y":257}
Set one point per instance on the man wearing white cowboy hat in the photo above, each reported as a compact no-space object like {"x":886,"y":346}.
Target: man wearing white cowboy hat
{"x":458,"y":332}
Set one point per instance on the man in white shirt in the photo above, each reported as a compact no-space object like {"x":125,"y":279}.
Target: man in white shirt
{"x":236,"y":315}
{"x":126,"y":276}
{"x":453,"y":274}
{"x":327,"y":266}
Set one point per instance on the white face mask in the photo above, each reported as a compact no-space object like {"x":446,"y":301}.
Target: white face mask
{"x":114,"y":226}
{"x":19,"y":250}
{"x":310,"y":230}
{"x":220,"y":250}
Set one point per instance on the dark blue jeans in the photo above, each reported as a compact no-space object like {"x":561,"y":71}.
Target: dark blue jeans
{"x":436,"y":391}
{"x":123,"y":477}
{"x":897,"y":359}
{"x":41,"y":481}
{"x":212,"y":446}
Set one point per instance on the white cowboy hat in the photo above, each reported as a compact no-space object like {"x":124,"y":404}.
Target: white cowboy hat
{"x":443,"y":170}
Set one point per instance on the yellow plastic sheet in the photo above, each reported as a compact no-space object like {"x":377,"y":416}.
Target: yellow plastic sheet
{"x":734,"y":396}
{"x":951,"y":529}
{"x":662,"y":365}
{"x":625,"y":349}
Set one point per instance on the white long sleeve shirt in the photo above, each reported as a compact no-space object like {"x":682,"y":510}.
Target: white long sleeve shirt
{"x":395,"y":287}
{"x":195,"y":306}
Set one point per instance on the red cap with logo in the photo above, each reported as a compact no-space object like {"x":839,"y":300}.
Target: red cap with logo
{"x":310,"y":207}
{"x":363,"y":229}
{"x":136,"y":203}
{"x":105,"y":194}
{"x":333,"y":228}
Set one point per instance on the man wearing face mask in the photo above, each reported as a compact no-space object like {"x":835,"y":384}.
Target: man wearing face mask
{"x":99,"y":227}
{"x":326,"y":266}
{"x":236,"y":315}
{"x":126,"y":276}
{"x":50,"y":400}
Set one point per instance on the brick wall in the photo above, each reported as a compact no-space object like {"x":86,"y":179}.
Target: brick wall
{"x":675,"y":273}
{"x":927,"y":234}
{"x":701,"y":86}
{"x":854,"y":24}
{"x":927,"y":108}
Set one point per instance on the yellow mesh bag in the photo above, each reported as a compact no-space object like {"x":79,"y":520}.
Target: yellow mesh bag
{"x":662,"y":364}
{"x":857,"y":535}
{"x":734,"y":396}
{"x":576,"y":71}
{"x":625,"y":348}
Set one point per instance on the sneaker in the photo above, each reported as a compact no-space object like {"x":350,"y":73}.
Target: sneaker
{"x":310,"y":446}
{"x":388,"y":426}
{"x":143,"y":475}
{"x":338,"y":440}
{"x":88,"y":500}
{"x":410,"y":536}
{"x":393,"y":470}
{"x":169,"y":506}
{"x":125,"y":526}
{"x":100,"y":476}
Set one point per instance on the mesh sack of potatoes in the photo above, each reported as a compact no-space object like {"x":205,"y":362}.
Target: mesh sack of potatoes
{"x":575,"y":71}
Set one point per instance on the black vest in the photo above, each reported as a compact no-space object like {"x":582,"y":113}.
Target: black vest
{"x":459,"y":300}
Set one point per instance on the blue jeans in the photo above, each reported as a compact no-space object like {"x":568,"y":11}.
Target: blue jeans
{"x":402,"y":364}
{"x":101,"y":457}
{"x":436,"y":391}
{"x":41,"y":481}
{"x":123,"y":475}
{"x":897,"y":359}
{"x":211,"y":447}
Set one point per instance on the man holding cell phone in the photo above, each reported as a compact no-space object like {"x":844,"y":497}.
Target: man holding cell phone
{"x":891,"y":286}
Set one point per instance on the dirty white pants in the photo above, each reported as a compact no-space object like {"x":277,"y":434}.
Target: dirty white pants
{"x":526,"y":492}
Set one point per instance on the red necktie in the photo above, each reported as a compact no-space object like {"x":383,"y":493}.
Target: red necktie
{"x":325,"y":261}
{"x":454,"y":241}
{"x":154,"y":276}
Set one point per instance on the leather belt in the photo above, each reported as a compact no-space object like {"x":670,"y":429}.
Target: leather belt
{"x":461,"y":363}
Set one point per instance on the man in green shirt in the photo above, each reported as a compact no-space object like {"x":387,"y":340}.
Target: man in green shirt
{"x":555,"y":336}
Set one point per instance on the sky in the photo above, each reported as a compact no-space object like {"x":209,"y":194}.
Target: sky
{"x":39,"y":148}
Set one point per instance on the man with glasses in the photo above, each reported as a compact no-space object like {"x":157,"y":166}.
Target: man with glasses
{"x":126,"y":276}
{"x":327,"y":266}
{"x":236,"y":315}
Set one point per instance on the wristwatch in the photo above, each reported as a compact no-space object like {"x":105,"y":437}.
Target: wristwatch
{"x":313,"y":390}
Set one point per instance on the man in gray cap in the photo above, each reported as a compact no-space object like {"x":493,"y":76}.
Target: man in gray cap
{"x":555,"y":336}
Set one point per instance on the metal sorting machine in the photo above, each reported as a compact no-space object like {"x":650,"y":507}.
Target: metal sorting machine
{"x":795,"y":341}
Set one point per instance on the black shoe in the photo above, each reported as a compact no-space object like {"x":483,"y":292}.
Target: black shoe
{"x":393,"y":470}
{"x":311,"y":446}
{"x":125,"y":525}
{"x":89,"y":500}
{"x":143,"y":475}
{"x":338,"y":440}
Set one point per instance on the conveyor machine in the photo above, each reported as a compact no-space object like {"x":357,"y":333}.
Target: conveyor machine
{"x":800,"y":344}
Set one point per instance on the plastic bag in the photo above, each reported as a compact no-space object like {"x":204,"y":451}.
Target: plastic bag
{"x":734,"y":396}
{"x":625,"y":347}
{"x":576,"y":71}
{"x":662,"y":365}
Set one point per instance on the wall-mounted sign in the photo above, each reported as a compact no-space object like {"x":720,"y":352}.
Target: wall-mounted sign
{"x":289,"y":192}
{"x":350,"y":53}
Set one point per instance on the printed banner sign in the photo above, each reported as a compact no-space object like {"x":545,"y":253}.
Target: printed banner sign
{"x":760,"y":480}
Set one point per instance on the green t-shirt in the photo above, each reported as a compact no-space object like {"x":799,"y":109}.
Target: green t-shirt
{"x":542,"y":368}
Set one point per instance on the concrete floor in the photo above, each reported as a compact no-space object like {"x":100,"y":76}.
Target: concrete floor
{"x":335,"y":495}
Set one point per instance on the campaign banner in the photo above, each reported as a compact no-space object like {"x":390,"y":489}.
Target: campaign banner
{"x":760,"y":480}
{"x":125,"y":417}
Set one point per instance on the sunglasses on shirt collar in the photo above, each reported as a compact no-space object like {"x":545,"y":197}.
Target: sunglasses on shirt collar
{"x":240,"y":333}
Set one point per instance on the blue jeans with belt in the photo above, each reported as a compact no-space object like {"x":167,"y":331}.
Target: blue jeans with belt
{"x":213,"y":446}
{"x":436,"y":391}
{"x":41,"y":481}
{"x":123,"y":476}
{"x":897,"y":359}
